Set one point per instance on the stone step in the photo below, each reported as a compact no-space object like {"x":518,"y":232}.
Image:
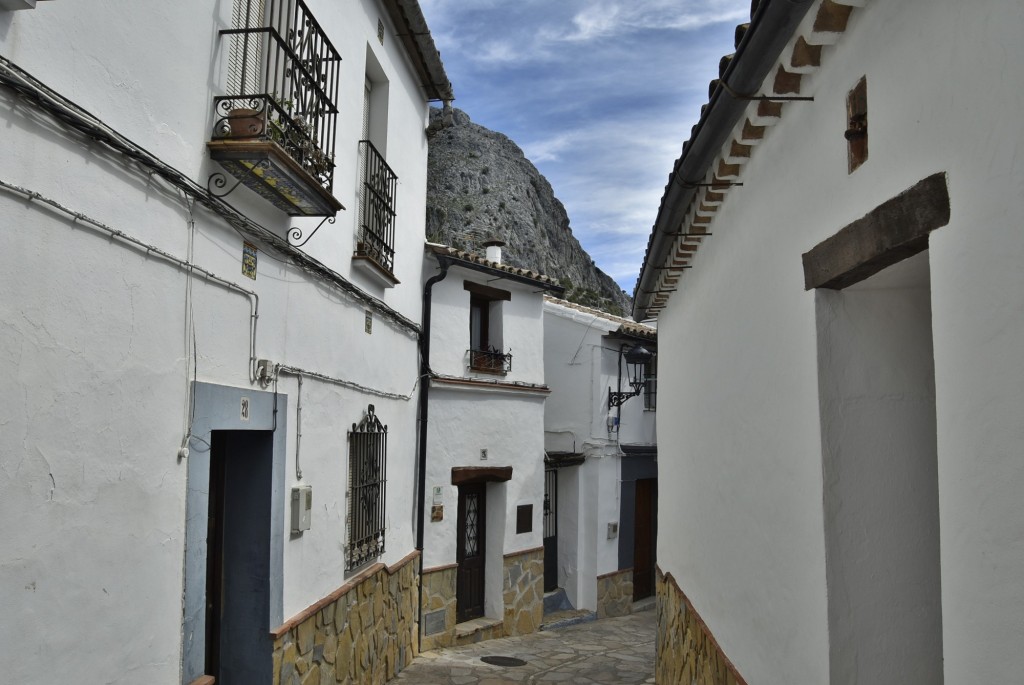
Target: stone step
{"x":569,"y":617}
{"x":468,"y":632}
{"x":556,"y":600}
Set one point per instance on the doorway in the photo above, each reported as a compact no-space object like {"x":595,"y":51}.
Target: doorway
{"x":238,"y":555}
{"x":550,"y":530}
{"x":471,"y":533}
{"x":876,"y":382}
{"x":645,"y":535}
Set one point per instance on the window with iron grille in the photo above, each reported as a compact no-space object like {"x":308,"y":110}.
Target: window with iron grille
{"x":367,"y":477}
{"x":651,"y":384}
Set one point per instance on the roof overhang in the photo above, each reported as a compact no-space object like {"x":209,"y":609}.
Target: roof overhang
{"x":772,"y":25}
{"x":419,"y":44}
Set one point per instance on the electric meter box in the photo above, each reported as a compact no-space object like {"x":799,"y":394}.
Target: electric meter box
{"x":302,"y":507}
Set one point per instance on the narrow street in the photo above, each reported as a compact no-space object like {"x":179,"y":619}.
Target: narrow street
{"x":612,"y":651}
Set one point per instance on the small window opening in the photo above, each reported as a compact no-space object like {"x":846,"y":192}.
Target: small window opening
{"x":857,"y":125}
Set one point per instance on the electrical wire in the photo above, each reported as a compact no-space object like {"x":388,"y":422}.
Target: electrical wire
{"x":87,"y":124}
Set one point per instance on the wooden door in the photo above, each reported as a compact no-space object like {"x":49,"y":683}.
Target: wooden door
{"x":645,"y":537}
{"x":469,"y":590}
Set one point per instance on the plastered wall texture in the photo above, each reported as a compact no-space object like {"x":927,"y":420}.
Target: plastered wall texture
{"x":363,"y":634}
{"x":686,"y":651}
{"x":615,"y":593}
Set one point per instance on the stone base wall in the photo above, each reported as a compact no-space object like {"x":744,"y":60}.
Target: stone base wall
{"x":362,"y":633}
{"x":615,"y":593}
{"x":523,"y":575}
{"x":522,"y":592}
{"x":686,"y":650}
{"x":439,"y":607}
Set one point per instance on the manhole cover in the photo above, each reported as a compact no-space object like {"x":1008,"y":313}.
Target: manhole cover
{"x":502,"y":661}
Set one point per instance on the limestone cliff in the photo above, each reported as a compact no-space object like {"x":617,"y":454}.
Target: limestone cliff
{"x":480,"y":185}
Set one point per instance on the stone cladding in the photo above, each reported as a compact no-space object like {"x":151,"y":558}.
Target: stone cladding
{"x":439,"y":596}
{"x":363,"y":633}
{"x":523,"y":575}
{"x":522,"y":593}
{"x":686,"y":651}
{"x":615,"y":593}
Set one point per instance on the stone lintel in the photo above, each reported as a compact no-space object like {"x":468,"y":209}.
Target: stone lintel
{"x":896,"y":229}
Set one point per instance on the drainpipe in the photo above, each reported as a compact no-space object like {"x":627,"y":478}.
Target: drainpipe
{"x":421,"y":484}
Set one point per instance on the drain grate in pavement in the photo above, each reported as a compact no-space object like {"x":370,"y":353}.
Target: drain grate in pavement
{"x":502,"y":661}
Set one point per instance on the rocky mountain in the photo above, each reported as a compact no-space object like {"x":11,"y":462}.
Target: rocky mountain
{"x":480,"y":186}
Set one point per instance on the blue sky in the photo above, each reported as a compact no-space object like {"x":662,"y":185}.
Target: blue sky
{"x":600,"y":94}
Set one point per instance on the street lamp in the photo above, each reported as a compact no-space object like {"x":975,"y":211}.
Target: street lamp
{"x":637,"y":358}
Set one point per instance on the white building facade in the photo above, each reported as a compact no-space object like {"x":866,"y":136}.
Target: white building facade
{"x":209,"y":445}
{"x":483,"y":554}
{"x":835,"y":271}
{"x":602,"y":457}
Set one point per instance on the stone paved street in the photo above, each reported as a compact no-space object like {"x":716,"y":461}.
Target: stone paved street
{"x":612,"y":651}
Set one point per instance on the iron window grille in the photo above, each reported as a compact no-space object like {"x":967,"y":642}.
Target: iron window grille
{"x":367,"y":471}
{"x":283,"y":84}
{"x":377,"y":223}
{"x":490,"y":360}
{"x":651,"y":384}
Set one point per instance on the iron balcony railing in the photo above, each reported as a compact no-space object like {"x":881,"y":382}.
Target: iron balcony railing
{"x":377,"y":225}
{"x":492,"y":361}
{"x":283,"y":84}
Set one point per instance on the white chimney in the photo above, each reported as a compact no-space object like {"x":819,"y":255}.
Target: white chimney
{"x":494,"y":250}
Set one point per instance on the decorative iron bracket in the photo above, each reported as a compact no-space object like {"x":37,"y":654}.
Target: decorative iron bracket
{"x":616,"y":399}
{"x":218,"y":180}
{"x":295,"y":233}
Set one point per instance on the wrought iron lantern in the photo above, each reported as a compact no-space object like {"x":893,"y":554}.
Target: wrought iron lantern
{"x":637,"y":358}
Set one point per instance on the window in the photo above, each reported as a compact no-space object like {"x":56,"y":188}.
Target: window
{"x":378,"y":183}
{"x":367,"y":477}
{"x":651,"y":383}
{"x":485,"y":329}
{"x":857,"y":125}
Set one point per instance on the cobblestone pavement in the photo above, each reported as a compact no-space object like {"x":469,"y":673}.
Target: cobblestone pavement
{"x":612,"y":651}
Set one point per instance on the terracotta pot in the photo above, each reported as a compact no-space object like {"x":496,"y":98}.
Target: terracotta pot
{"x":245,"y":123}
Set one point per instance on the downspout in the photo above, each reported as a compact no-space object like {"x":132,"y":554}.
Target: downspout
{"x":421,"y":483}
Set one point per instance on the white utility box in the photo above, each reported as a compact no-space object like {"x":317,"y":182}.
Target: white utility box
{"x":302,"y":507}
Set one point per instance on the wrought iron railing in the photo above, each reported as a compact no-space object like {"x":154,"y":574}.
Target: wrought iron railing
{"x":367,"y":478}
{"x":283,"y":84}
{"x":492,"y":360}
{"x":377,"y":223}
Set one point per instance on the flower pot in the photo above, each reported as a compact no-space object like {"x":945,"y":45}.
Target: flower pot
{"x":245,"y":123}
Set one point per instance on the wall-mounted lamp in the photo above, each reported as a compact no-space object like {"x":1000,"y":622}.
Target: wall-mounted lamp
{"x":637,"y":358}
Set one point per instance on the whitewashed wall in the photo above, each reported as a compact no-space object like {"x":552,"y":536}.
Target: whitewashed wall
{"x":508,"y":426}
{"x":94,"y":334}
{"x":580,"y":366}
{"x":743,"y":452}
{"x":522,"y":323}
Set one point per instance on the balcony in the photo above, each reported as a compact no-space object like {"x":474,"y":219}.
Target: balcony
{"x":375,"y":249}
{"x":490,"y":361}
{"x":275,"y":129}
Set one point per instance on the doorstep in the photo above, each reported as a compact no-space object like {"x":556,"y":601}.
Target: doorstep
{"x":478,"y":629}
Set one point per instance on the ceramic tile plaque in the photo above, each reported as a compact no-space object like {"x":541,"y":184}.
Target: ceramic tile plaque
{"x":249,"y":260}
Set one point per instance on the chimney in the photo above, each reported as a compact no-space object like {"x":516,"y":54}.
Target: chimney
{"x":494,"y":249}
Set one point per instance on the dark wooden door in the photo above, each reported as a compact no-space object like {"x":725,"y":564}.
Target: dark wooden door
{"x":469,"y":590}
{"x":645,"y":537}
